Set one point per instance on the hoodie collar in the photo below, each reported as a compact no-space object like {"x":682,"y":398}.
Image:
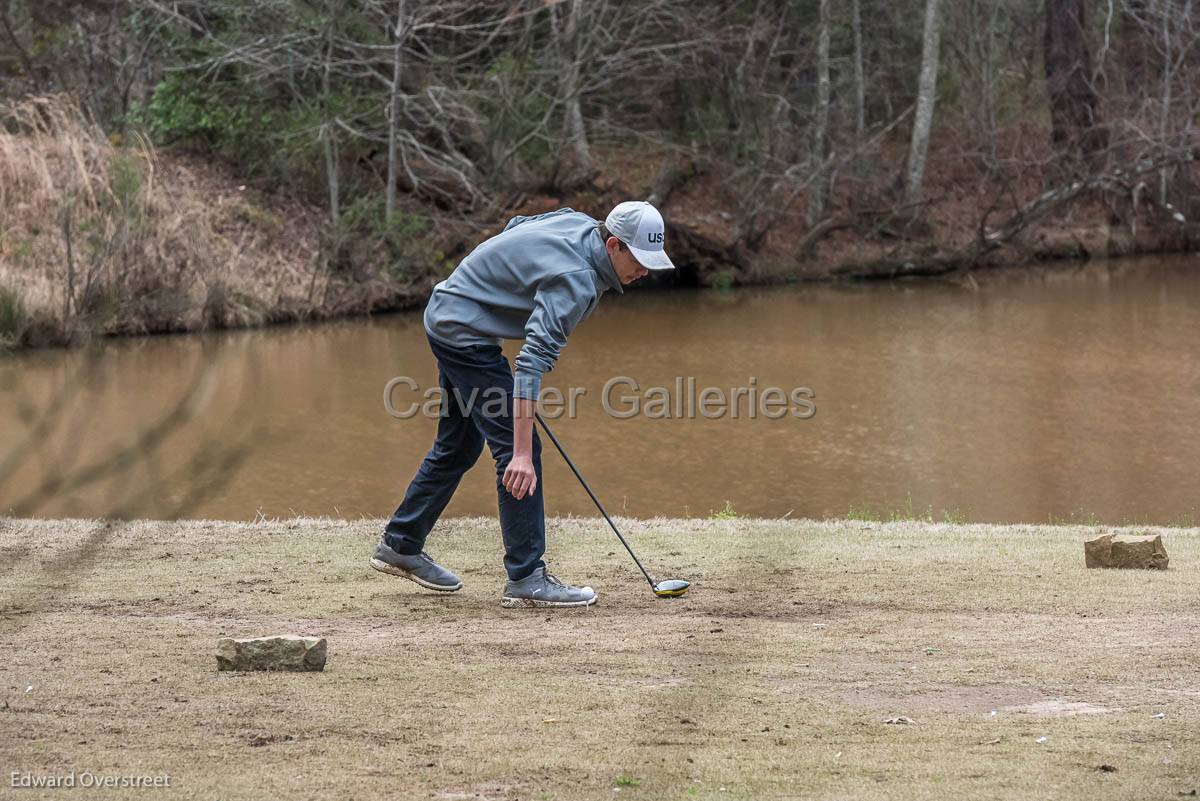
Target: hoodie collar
{"x":602,"y":264}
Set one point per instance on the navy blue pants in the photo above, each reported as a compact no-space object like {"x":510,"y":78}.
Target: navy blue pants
{"x":477,"y":398}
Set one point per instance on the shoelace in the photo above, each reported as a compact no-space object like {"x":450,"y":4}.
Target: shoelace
{"x":552,"y":579}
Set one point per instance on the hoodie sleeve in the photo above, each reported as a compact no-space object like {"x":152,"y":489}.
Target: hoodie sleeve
{"x":559,"y":306}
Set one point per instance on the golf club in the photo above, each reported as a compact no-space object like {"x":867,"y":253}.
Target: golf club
{"x":669,"y":588}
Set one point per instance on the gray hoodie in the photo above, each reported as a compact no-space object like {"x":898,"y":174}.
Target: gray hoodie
{"x":536,"y":280}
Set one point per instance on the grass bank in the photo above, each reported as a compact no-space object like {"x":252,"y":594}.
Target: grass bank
{"x":104,"y":236}
{"x":1024,"y":674}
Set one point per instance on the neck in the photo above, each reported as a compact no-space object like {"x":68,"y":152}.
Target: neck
{"x":602,"y":263}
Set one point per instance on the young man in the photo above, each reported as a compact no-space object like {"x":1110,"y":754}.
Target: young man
{"x":536,"y":281}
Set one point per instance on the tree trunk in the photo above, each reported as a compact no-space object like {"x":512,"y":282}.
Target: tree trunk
{"x":331,"y":172}
{"x":860,"y":82}
{"x":328,"y":130}
{"x":1074,"y":122}
{"x":983,"y":17}
{"x":576,"y":129}
{"x":1164,"y":111}
{"x":1185,"y":191}
{"x":579,"y":140}
{"x":926,"y":96}
{"x":394,"y":112}
{"x":820,"y":146}
{"x":1135,"y":47}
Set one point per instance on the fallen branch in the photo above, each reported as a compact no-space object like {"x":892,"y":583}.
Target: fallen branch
{"x":1120,"y":181}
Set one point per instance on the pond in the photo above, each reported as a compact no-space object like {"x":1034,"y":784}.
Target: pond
{"x":1019,"y":396}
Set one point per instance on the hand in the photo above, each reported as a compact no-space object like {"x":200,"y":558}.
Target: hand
{"x":520,"y":479}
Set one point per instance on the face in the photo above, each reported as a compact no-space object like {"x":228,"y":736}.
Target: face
{"x":627,"y":267}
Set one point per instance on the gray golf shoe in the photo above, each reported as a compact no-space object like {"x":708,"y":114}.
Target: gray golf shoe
{"x":416,"y":567}
{"x":541,"y":588}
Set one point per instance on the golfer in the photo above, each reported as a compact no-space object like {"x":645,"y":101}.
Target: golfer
{"x":536,"y":280}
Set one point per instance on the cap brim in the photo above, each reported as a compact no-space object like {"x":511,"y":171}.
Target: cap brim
{"x":652,"y":259}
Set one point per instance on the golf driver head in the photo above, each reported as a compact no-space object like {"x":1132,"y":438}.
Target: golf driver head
{"x":671,"y":588}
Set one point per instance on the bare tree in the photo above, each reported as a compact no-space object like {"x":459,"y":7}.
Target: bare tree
{"x":329,"y":128}
{"x":567,"y":36}
{"x":820,"y":147}
{"x":453,"y":108}
{"x":926,"y":97}
{"x":1164,"y":112}
{"x":14,"y":41}
{"x":1075,"y":125}
{"x":980,"y":64}
{"x":394,"y":109}
{"x":860,"y":81}
{"x":1135,"y":44}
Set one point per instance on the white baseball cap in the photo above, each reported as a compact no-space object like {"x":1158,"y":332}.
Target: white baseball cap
{"x":641,"y":227}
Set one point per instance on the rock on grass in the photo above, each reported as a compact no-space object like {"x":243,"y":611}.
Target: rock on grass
{"x":1126,"y":550}
{"x":285,"y":652}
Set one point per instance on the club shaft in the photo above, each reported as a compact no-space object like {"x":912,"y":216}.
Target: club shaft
{"x":592,"y":495}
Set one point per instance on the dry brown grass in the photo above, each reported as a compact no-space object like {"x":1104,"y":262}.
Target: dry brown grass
{"x":99,"y":236}
{"x":772,"y":679}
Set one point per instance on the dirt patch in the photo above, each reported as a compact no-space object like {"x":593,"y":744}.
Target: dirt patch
{"x":973,"y":700}
{"x":951,"y":700}
{"x":484,"y":792}
{"x":1055,"y":707}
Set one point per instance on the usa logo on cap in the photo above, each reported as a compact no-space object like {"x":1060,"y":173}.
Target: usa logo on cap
{"x":641,"y":228}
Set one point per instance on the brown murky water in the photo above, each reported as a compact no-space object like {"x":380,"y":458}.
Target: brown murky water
{"x":1069,"y":393}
